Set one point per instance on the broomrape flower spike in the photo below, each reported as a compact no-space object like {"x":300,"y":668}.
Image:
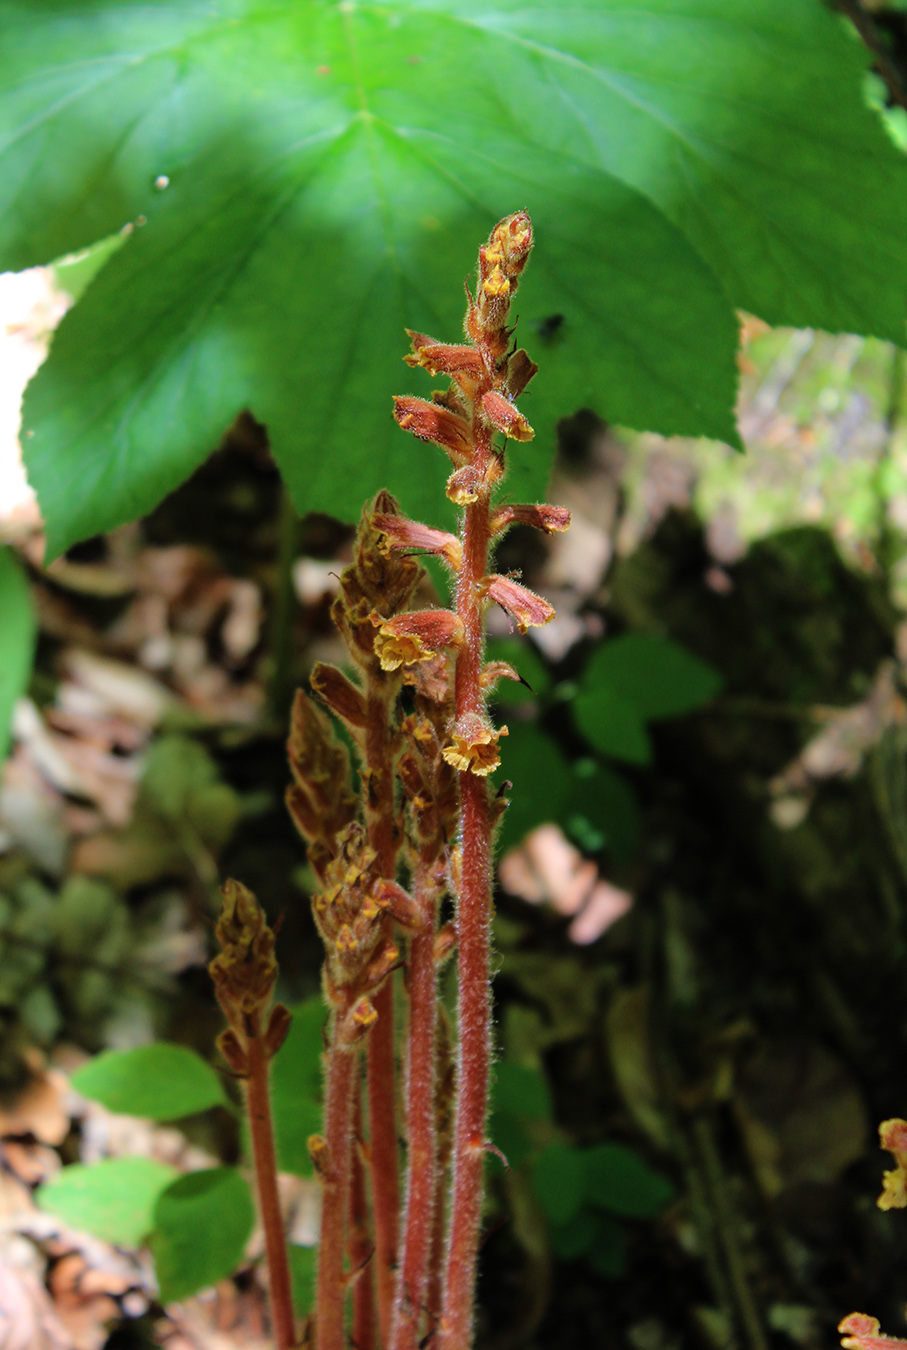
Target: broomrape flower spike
{"x":244,"y":975}
{"x":423,"y":801}
{"x":466,"y":421}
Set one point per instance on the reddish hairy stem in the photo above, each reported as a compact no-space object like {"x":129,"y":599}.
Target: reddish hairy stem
{"x":258,"y":1109}
{"x":421,"y":1168}
{"x":361,"y":1245}
{"x":384,"y":1161}
{"x":335,"y":1198}
{"x":473,"y":944}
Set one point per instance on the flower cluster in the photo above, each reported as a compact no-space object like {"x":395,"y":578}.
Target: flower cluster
{"x":463,"y":420}
{"x":244,"y":974}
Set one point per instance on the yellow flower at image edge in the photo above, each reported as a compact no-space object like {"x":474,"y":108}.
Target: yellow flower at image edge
{"x":475,"y":746}
{"x":893,"y":1138}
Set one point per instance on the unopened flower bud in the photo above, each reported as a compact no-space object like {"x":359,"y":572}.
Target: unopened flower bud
{"x":504,"y":416}
{"x":443,"y":358}
{"x":548,"y":519}
{"x":278,"y":1028}
{"x":339,"y":693}
{"x":524,"y":606}
{"x":520,"y":370}
{"x":402,"y":533}
{"x":429,"y":422}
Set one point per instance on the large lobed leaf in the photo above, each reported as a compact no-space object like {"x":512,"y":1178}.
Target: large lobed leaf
{"x":330,"y":168}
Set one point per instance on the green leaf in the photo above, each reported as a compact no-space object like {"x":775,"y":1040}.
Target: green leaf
{"x":113,"y":1199}
{"x":573,"y":1239}
{"x":659,"y":676}
{"x":17,"y":640}
{"x":607,"y":1252}
{"x":202,"y":1223}
{"x":303,"y":1269}
{"x":557,"y":1179}
{"x":619,"y":1181}
{"x":612,"y":723}
{"x":540,"y":775}
{"x":510,"y":1137}
{"x":160,"y":1081}
{"x":521,"y":1090}
{"x":75,"y":273}
{"x":307,"y":181}
{"x":296,"y":1086}
{"x":176,"y":767}
{"x":305,"y":186}
{"x":602,"y":811}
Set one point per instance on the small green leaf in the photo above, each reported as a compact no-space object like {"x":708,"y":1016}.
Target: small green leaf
{"x":17,"y":640}
{"x":521,"y":1090}
{"x":602,"y":811}
{"x":175,"y":767}
{"x":540,"y":775}
{"x":113,"y":1199}
{"x":613,"y":724}
{"x":303,"y":1269}
{"x":160,"y":1081}
{"x":509,"y":1136}
{"x":607,"y":1252}
{"x":661,"y":678}
{"x":557,"y":1179}
{"x":202,"y":1223}
{"x":573,"y":1239}
{"x":619,"y":1181}
{"x":296,"y":1086}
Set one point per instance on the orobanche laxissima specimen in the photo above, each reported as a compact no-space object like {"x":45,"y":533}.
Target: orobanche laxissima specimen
{"x":397,"y":1255}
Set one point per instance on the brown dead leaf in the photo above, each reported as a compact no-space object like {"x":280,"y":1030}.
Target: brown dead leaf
{"x":801,"y":1114}
{"x":224,"y":1318}
{"x":85,"y":1299}
{"x":31,"y":1163}
{"x":39,"y":1109}
{"x":27,"y":1317}
{"x":632,"y":1061}
{"x":838,"y":749}
{"x":547,"y":869}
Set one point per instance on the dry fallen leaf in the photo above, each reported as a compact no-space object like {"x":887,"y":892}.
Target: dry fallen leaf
{"x":27,"y":1317}
{"x":547,"y":869}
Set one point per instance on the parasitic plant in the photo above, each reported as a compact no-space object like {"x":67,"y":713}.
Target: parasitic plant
{"x":397,"y":1257}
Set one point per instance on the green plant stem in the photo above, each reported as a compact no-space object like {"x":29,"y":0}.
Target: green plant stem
{"x":473,"y":940}
{"x":745,"y":1304}
{"x":258,"y":1107}
{"x":421,"y":1176}
{"x":280,"y":683}
{"x":335,"y":1200}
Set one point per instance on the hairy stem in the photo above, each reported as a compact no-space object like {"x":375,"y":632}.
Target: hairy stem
{"x":258,"y":1109}
{"x":473,"y":944}
{"x":412,"y":1276}
{"x":361,"y":1246}
{"x":335,"y":1171}
{"x":384,"y":1162}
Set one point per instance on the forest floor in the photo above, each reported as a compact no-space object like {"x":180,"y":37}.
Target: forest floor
{"x":715,"y":982}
